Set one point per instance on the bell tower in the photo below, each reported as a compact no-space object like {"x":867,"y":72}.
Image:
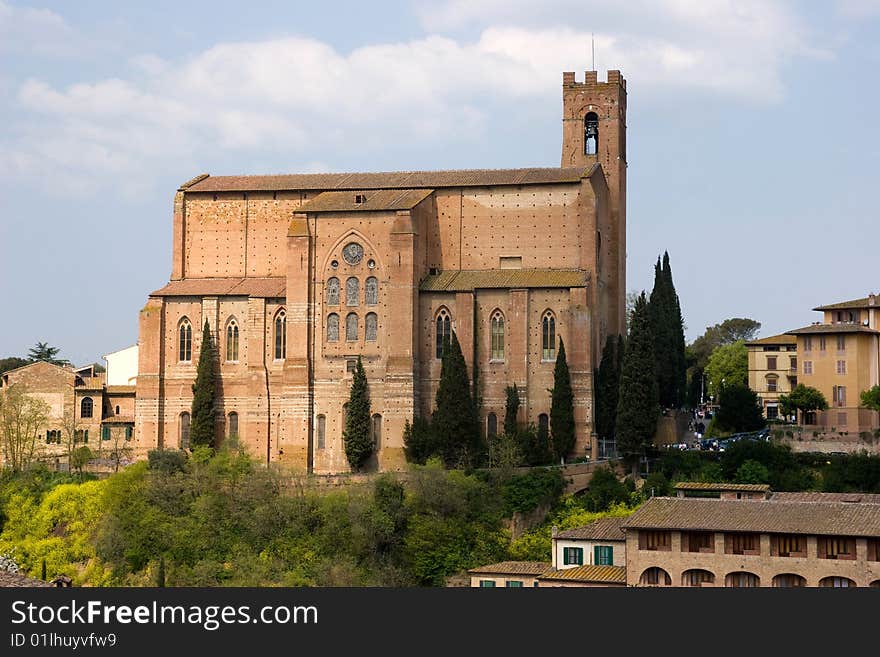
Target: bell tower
{"x":594,"y":130}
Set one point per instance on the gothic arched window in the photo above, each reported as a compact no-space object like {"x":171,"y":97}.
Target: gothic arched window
{"x":184,"y":341}
{"x":232,"y":341}
{"x":332,"y":327}
{"x":280,"y":335}
{"x":232,"y":429}
{"x":497,"y":333}
{"x":351,"y":327}
{"x":333,"y":292}
{"x":548,"y":336}
{"x":321,"y":431}
{"x":371,"y":291}
{"x":86,"y":407}
{"x":591,"y":133}
{"x":491,"y":425}
{"x":352,"y":291}
{"x":376,"y":430}
{"x":371,"y":327}
{"x":184,"y":430}
{"x":443,"y":330}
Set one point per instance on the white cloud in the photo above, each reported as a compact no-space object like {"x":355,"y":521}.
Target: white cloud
{"x":35,"y":31}
{"x":300,"y":96}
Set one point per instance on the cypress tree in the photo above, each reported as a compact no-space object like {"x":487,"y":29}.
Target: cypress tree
{"x":43,"y":571}
{"x":511,"y":408}
{"x":356,"y":435}
{"x":454,"y":422}
{"x":608,"y":387}
{"x":676,"y":328}
{"x":637,"y":406}
{"x":160,"y":573}
{"x":668,"y":330}
{"x":561,"y":407}
{"x":202,"y":427}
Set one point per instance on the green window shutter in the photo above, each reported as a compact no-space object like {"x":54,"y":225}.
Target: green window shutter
{"x":597,"y":555}
{"x":603,"y":555}
{"x":514,"y":583}
{"x":105,"y":432}
{"x":487,"y":583}
{"x":580,"y":556}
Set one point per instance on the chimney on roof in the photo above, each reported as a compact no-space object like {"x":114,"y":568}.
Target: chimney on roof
{"x":872,"y":299}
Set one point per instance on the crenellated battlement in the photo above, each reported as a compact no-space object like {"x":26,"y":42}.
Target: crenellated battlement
{"x":591,"y":78}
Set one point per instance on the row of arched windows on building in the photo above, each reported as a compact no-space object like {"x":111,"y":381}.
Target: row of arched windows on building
{"x":184,"y":423}
{"x":443,"y":332}
{"x":320,"y":428}
{"x":352,"y":324}
{"x":492,"y":424}
{"x":353,"y":291}
{"x":184,"y":339}
{"x":656,"y":576}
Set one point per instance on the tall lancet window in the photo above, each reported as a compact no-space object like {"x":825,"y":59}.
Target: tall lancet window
{"x":591,"y":133}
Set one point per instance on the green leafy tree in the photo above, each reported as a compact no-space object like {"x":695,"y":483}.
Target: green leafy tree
{"x":637,"y":406}
{"x":727,"y":332}
{"x":562,"y":433}
{"x":534,"y":445}
{"x":42,"y":351}
{"x":668,"y":330}
{"x":356,"y":435}
{"x":604,"y":490}
{"x":656,"y":485}
{"x":12,"y":363}
{"x":22,"y":419}
{"x":804,"y":399}
{"x":454,"y":422}
{"x":752,"y":472}
{"x":728,"y":365}
{"x":419,"y":443}
{"x":511,"y":409}
{"x":870,"y":398}
{"x":739,"y":409}
{"x":80,"y":459}
{"x":202,"y":429}
{"x":608,"y":387}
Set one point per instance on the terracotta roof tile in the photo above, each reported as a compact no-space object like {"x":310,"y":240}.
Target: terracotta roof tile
{"x":603,"y":529}
{"x":783,"y":338}
{"x":389,"y":179}
{"x":825,"y":518}
{"x":855,"y":304}
{"x":244,"y":287}
{"x":8,"y":579}
{"x":121,"y":390}
{"x":372,"y":200}
{"x":700,"y":485}
{"x":810,"y":496}
{"x":609,"y":574}
{"x":512,"y":568}
{"x":832,"y":328}
{"x":466,"y":280}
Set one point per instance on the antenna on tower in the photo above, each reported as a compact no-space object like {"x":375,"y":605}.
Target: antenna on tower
{"x":593,"y":49}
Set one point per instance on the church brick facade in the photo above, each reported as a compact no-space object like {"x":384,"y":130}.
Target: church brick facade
{"x":298,"y":275}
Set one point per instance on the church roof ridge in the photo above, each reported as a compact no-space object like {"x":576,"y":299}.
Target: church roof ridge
{"x":389,"y":179}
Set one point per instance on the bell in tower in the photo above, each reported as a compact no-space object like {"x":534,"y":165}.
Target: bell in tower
{"x":591,"y":134}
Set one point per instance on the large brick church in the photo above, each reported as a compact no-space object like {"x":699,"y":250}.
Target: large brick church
{"x":298,"y":275}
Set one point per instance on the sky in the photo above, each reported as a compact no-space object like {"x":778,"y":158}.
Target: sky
{"x":752,"y":139}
